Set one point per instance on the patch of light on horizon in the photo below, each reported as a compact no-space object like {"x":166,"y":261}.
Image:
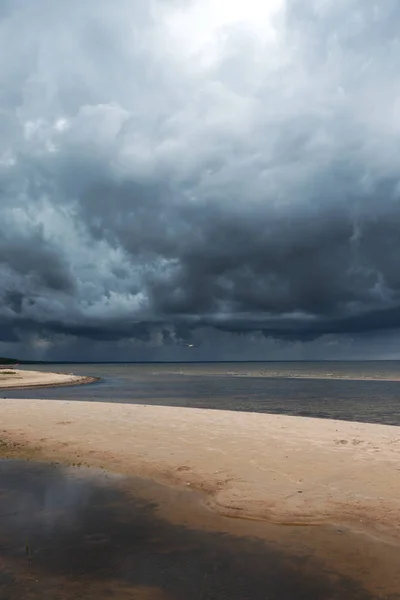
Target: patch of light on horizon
{"x":41,"y":343}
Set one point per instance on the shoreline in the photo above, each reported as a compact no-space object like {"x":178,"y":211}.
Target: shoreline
{"x":82,"y":381}
{"x":250,"y":466}
{"x":22,"y":379}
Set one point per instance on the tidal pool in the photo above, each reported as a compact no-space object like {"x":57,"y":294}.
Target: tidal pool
{"x":69,"y":533}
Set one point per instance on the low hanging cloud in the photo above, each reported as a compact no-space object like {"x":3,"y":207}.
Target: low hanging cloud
{"x":173,"y":167}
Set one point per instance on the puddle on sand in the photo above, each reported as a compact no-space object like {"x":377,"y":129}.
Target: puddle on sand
{"x":69,"y":533}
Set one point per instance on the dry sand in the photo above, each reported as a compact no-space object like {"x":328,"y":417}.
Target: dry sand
{"x":278,"y":468}
{"x":19,"y":378}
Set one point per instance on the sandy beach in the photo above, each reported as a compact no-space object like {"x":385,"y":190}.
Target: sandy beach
{"x":282,"y":469}
{"x":20,"y":378}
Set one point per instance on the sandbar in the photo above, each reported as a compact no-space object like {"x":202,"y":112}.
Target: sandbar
{"x":277,"y":468}
{"x":21,"y":378}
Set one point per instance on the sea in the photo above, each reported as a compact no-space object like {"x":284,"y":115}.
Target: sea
{"x":367,"y":391}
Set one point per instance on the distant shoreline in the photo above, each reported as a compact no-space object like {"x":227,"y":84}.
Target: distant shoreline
{"x":206,"y":362}
{"x":200,"y":362}
{"x":22,"y":379}
{"x":350,"y":371}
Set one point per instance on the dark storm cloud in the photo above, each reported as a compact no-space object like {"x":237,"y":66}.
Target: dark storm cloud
{"x":166,"y":170}
{"x":32,"y":256}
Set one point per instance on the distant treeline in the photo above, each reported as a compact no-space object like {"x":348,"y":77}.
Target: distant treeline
{"x":8,"y":361}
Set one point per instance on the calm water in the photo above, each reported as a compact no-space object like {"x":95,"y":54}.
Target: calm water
{"x":335,"y":390}
{"x":66,"y":535}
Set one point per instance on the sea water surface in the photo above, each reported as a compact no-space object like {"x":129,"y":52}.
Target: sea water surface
{"x":357,"y":391}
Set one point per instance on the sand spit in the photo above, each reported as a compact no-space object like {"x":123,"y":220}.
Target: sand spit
{"x":20,"y":378}
{"x":283,"y":469}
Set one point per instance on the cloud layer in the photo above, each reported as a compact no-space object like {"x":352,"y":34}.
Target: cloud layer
{"x":172,"y":168}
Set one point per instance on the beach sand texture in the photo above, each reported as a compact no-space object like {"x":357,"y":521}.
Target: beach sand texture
{"x":261,"y":466}
{"x":20,"y":378}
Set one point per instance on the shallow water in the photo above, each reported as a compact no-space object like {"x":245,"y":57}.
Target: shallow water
{"x":335,"y":390}
{"x":69,"y":533}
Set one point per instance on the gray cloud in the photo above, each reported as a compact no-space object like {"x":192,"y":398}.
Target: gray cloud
{"x":168,"y":171}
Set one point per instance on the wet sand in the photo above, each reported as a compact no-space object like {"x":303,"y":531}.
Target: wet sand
{"x":280,"y":475}
{"x":21,"y":379}
{"x":289,"y":470}
{"x":75,"y":533}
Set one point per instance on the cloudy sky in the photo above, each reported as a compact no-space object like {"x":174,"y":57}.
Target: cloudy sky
{"x":222,"y":173}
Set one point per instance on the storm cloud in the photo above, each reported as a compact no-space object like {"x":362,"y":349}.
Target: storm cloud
{"x":198,"y":170}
